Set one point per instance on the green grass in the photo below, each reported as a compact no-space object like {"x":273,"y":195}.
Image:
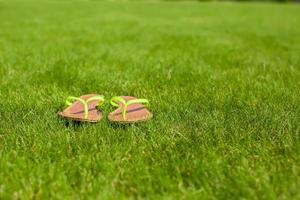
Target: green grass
{"x":222,"y":78}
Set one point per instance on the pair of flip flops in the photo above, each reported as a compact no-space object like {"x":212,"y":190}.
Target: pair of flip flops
{"x":87,"y":109}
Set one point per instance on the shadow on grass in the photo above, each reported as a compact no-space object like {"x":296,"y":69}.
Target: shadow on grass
{"x":77,"y":125}
{"x":70,"y":124}
{"x":120,"y":126}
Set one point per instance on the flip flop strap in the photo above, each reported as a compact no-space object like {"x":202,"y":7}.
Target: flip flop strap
{"x":70,"y":100}
{"x":115,"y":100}
{"x":99,"y":98}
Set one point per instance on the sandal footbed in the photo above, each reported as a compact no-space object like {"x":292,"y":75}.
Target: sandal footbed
{"x":134,"y":113}
{"x":75,"y":111}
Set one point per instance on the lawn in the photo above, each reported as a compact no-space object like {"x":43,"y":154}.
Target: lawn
{"x":223,"y":83}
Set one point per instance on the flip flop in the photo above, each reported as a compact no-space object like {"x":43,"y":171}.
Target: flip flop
{"x":130,"y":110}
{"x":83,"y":108}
